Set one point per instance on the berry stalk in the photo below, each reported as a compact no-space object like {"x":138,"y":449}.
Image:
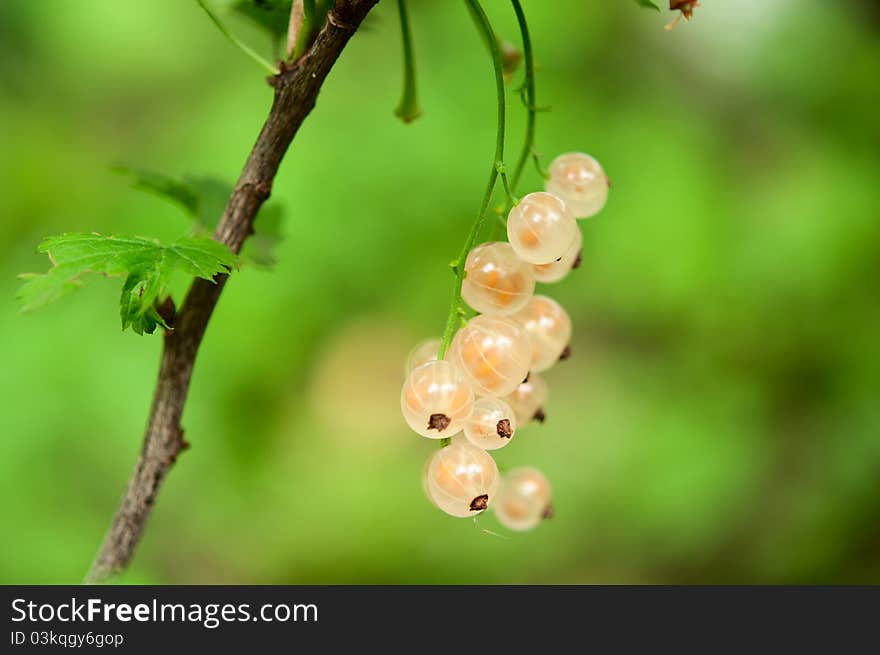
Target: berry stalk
{"x":455,"y":306}
{"x":238,"y":43}
{"x":529,"y":63}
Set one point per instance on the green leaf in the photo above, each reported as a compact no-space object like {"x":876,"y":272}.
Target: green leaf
{"x":177,"y":191}
{"x":146,"y":263}
{"x":272,"y":15}
{"x":259,"y":249}
{"x":203,"y":199}
{"x":647,"y":4}
{"x":212,"y":194}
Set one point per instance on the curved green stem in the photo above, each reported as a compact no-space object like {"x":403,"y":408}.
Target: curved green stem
{"x":306,"y":31}
{"x":529,"y":62}
{"x":408,"y":109}
{"x":241,"y":45}
{"x":455,"y":307}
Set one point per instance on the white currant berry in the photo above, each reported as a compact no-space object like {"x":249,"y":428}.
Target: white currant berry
{"x":528,"y":399}
{"x":580,"y":181}
{"x":496,"y":280}
{"x":494,"y":354}
{"x":461,"y":479}
{"x":556,"y":270}
{"x":549,"y":329}
{"x":492,"y":424}
{"x":540,"y":228}
{"x":436,"y":400}
{"x":425,"y":487}
{"x":426,"y":351}
{"x":523,"y":499}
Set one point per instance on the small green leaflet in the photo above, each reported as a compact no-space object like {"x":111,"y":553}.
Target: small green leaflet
{"x":146,"y":263}
{"x":647,"y":4}
{"x":165,"y":186}
{"x":204,"y":198}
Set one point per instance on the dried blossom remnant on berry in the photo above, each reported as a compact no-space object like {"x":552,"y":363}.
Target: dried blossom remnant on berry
{"x":540,"y":416}
{"x":565,"y":354}
{"x":503,"y":429}
{"x":548,"y":512}
{"x":438,"y":422}
{"x":479,"y":503}
{"x":578,"y":259}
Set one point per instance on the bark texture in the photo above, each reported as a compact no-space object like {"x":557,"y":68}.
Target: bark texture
{"x":296,"y":88}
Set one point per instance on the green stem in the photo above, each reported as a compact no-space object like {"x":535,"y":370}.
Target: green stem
{"x":455,"y":307}
{"x":408,"y":109}
{"x":306,"y":30}
{"x":238,"y":43}
{"x":508,"y":187}
{"x":529,"y":61}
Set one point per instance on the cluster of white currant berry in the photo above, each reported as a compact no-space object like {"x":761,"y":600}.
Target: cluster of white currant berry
{"x":488,"y":382}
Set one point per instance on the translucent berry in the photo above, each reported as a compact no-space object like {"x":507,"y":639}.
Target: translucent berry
{"x":581,"y":183}
{"x":496,"y":280}
{"x":540,"y":228}
{"x":523,"y":499}
{"x":436,"y":400}
{"x":424,"y":352}
{"x":555,"y":271}
{"x":549,"y":329}
{"x":493,"y":353}
{"x":461,"y":479}
{"x":528,"y":399}
{"x":428,"y":494}
{"x":492,"y":424}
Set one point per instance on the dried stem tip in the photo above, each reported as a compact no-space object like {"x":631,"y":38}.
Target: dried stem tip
{"x":578,"y":259}
{"x":438,"y":422}
{"x":565,"y":354}
{"x":503,"y":429}
{"x":540,"y":416}
{"x":686,"y":7}
{"x":548,"y":512}
{"x":479,"y":503}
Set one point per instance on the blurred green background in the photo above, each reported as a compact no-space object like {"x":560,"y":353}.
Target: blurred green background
{"x":719,"y":421}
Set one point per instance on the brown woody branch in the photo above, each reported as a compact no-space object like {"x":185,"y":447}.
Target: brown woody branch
{"x":296,"y":88}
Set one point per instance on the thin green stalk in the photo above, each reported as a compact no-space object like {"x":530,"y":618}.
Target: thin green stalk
{"x":528,"y":147}
{"x":529,"y":62}
{"x":455,"y":307}
{"x":408,"y":110}
{"x":238,"y":43}
{"x":306,"y":30}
